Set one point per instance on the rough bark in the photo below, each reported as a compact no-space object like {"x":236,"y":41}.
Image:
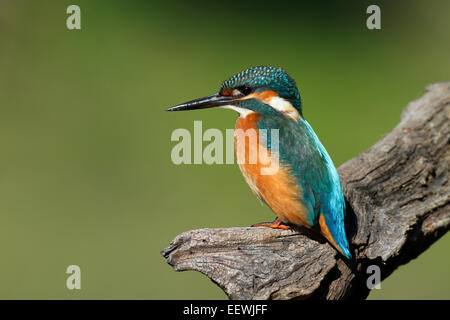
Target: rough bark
{"x":397,"y":195}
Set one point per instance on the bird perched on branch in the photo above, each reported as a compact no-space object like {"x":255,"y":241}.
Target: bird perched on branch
{"x":305,"y":189}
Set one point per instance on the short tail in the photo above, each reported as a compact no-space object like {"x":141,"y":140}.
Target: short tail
{"x":341,"y":244}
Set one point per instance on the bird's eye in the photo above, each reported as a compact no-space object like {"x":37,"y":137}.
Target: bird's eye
{"x":244,"y":90}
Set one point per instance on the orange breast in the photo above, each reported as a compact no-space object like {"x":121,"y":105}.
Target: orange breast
{"x":278,"y":189}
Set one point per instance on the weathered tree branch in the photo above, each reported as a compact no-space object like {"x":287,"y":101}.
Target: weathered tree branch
{"x":397,"y":196}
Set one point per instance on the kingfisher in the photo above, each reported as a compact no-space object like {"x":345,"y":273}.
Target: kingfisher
{"x":305,"y":190}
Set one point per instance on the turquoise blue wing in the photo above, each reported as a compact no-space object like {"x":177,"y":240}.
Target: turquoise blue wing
{"x":301,"y":151}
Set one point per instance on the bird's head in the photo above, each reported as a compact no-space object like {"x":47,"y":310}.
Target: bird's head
{"x":264,"y":90}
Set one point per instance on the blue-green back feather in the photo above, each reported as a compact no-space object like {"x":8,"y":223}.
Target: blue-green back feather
{"x":301,"y":151}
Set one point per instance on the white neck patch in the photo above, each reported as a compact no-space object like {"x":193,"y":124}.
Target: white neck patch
{"x":284,"y":106}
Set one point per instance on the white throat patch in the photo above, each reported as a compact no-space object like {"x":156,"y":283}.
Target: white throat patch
{"x":242,"y":111}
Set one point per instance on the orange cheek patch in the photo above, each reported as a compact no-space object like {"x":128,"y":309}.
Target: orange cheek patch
{"x":264,"y":96}
{"x":227,"y":92}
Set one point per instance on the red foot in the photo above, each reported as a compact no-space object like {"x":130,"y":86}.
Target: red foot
{"x":274,"y":225}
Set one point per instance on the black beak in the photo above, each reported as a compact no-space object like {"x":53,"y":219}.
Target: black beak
{"x":215,"y":100}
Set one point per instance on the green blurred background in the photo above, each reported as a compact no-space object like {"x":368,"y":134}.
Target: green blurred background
{"x":86,"y":176}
